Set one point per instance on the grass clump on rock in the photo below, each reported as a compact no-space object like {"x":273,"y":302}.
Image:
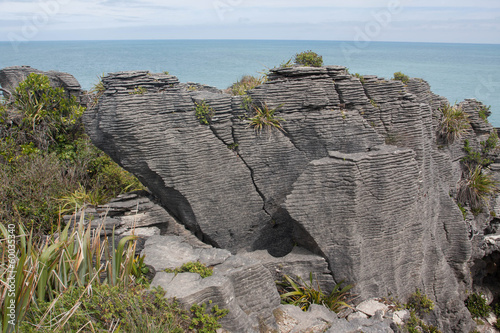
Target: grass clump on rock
{"x":265,"y":118}
{"x":246,"y":83}
{"x":192,"y":267}
{"x":303,"y":294}
{"x":453,"y":123}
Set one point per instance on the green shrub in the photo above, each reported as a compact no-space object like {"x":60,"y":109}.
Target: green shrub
{"x":264,"y":118}
{"x":104,"y":308}
{"x":474,"y":158}
{"x":453,"y":123}
{"x":204,"y":322}
{"x":420,"y":303}
{"x":303,"y":294}
{"x":245,"y":84}
{"x":484,"y":112}
{"x":417,"y":325}
{"x":309,"y":58}
{"x":401,"y":77}
{"x":192,"y":267}
{"x":477,"y":306}
{"x":491,"y":144}
{"x":46,"y":160}
{"x":204,"y":112}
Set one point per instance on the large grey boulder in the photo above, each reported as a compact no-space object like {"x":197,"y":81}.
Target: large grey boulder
{"x":10,"y":77}
{"x":357,"y":176}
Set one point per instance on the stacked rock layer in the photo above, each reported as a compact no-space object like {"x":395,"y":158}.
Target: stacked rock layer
{"x":357,"y":173}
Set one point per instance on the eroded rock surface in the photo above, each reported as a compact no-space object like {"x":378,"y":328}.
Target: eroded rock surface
{"x":358,"y":175}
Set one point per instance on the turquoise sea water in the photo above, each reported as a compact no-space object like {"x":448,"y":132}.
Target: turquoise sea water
{"x":456,"y":71}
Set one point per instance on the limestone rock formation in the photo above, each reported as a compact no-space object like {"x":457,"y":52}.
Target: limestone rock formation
{"x":10,"y":77}
{"x":357,"y":174}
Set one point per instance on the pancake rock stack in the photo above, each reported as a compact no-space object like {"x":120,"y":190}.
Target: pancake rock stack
{"x":356,"y":175}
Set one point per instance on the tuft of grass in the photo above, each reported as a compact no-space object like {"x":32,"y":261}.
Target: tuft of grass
{"x":204,"y":112}
{"x":453,"y":123}
{"x":309,"y":58}
{"x":475,"y":187}
{"x":192,"y":267}
{"x":264,"y":117}
{"x":303,"y":294}
{"x":246,"y":83}
{"x":360,"y":77}
{"x":401,"y":77}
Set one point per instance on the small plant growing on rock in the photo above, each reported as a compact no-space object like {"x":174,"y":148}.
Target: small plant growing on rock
{"x":401,"y":77}
{"x":286,"y":64}
{"x":192,"y":267}
{"x":360,"y":77}
{"x":204,"y":322}
{"x":245,"y":84}
{"x":420,"y":303}
{"x":264,"y":118}
{"x":475,"y":187}
{"x":303,"y":294}
{"x":309,"y":58}
{"x":417,"y":325}
{"x":477,"y":306}
{"x":453,"y":123}
{"x":138,"y":91}
{"x":204,"y":112}
{"x":484,"y":112}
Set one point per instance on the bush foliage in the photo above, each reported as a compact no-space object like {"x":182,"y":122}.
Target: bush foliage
{"x":309,"y":58}
{"x":47,"y":161}
{"x":401,"y":77}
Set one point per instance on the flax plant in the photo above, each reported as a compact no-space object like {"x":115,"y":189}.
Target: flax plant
{"x":264,"y":118}
{"x":303,"y":294}
{"x":75,"y":258}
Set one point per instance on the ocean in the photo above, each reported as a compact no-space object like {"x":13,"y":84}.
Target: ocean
{"x":455,"y":71}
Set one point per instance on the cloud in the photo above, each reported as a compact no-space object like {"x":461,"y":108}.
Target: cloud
{"x":315,"y":19}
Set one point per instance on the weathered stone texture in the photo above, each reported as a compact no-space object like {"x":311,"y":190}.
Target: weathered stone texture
{"x":357,"y":174}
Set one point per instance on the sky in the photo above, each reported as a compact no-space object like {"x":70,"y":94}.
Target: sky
{"x":449,"y":21}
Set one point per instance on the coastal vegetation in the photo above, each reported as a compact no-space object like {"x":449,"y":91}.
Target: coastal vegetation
{"x":246,"y":83}
{"x":66,"y":277}
{"x":302,"y":294}
{"x":264,"y":118}
{"x":401,"y":77}
{"x":453,"y":124}
{"x":204,"y":112}
{"x":192,"y":267}
{"x":48,"y":166}
{"x":308,"y":58}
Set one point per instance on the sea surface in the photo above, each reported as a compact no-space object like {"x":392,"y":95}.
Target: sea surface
{"x":455,"y":71}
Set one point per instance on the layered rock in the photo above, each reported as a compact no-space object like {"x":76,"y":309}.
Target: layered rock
{"x":10,"y":77}
{"x":357,"y":174}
